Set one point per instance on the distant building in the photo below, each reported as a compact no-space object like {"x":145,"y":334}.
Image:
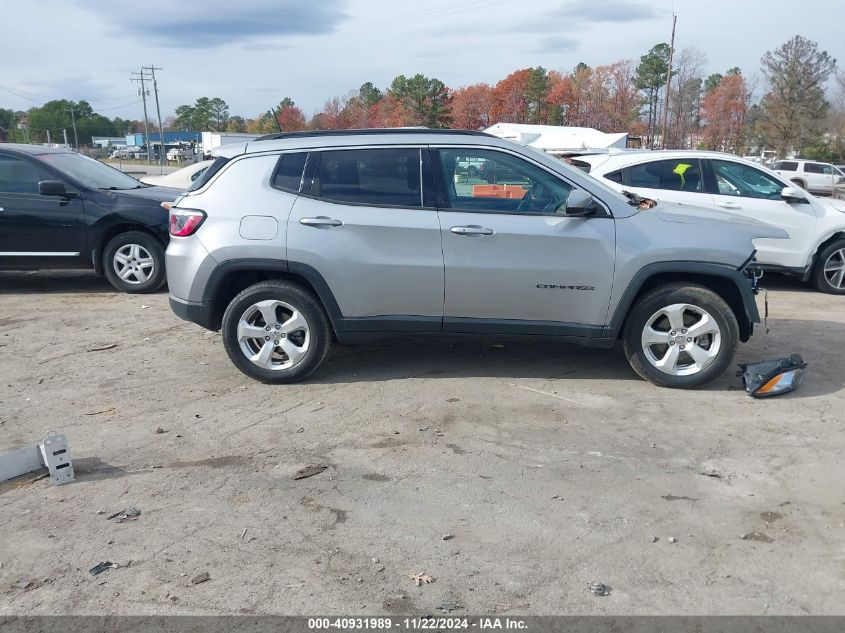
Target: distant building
{"x":170,"y":138}
{"x":558,"y":139}
{"x":108,"y":141}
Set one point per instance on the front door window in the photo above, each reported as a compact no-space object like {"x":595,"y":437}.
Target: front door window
{"x":737,"y":179}
{"x":497,"y":182}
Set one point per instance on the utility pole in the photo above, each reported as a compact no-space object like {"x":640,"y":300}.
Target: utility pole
{"x":73,"y":119}
{"x":143,"y":91}
{"x":153,"y":70}
{"x":49,"y":142}
{"x":64,"y":133}
{"x":668,"y":86}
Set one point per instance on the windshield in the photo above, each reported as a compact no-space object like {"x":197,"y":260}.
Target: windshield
{"x":89,"y":172}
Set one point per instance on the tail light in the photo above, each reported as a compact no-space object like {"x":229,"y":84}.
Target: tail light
{"x":185,"y":222}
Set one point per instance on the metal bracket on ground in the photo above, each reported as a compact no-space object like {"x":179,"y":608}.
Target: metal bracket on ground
{"x":52,"y":453}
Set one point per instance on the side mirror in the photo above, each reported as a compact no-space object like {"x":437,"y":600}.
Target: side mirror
{"x":578,"y":203}
{"x":52,"y":188}
{"x":793,"y":194}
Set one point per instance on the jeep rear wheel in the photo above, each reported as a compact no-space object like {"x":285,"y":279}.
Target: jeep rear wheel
{"x":680,"y":335}
{"x":276,"y":332}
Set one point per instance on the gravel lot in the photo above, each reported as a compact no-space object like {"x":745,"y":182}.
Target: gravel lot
{"x":551,"y":466}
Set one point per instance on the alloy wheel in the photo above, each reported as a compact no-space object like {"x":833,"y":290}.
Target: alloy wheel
{"x":681,"y":339}
{"x":273,"y":335}
{"x":834,"y":269}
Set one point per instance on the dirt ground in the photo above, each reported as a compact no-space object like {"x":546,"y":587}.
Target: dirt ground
{"x":550,"y":466}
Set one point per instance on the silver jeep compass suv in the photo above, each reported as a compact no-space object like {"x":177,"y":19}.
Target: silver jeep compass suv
{"x":295,"y":239}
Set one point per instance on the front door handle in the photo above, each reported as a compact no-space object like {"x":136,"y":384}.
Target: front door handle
{"x":729,"y":205}
{"x":471,"y":230}
{"x":320,"y":221}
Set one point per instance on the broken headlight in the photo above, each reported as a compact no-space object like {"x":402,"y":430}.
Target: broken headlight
{"x":772,"y":377}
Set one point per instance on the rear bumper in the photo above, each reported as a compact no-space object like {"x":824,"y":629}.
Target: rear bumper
{"x":199,"y":313}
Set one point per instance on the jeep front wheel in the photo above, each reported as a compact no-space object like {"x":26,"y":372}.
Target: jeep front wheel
{"x":276,"y":332}
{"x":680,"y":335}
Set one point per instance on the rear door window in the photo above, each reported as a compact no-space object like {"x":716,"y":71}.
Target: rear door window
{"x":682,"y":174}
{"x":389,"y":176}
{"x":813,"y":168}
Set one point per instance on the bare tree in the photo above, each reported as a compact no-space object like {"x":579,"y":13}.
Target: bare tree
{"x":685,"y":98}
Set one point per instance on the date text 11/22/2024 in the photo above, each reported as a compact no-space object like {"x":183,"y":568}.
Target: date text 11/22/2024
{"x":412,"y":624}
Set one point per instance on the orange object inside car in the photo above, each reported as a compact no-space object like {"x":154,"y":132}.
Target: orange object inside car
{"x":513,"y":192}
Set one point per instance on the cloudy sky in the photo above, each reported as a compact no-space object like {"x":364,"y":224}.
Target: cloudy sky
{"x":252,"y":52}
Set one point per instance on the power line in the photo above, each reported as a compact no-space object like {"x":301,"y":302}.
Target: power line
{"x":43,"y":100}
{"x":125,"y":105}
{"x":18,"y":94}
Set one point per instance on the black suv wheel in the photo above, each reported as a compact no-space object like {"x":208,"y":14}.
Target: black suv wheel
{"x":134,"y":262}
{"x":276,"y":332}
{"x":680,"y":335}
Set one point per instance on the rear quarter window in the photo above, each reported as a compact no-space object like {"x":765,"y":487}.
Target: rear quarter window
{"x":786,"y":165}
{"x":288,"y":174}
{"x":615,"y":176}
{"x":216,"y":166}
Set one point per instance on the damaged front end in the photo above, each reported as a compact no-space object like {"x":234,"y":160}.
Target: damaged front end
{"x":753,"y":272}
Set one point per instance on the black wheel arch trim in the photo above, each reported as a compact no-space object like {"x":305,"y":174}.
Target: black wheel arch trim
{"x":318,"y":285}
{"x":649,"y":271}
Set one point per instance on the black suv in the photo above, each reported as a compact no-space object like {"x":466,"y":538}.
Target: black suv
{"x":60,"y":209}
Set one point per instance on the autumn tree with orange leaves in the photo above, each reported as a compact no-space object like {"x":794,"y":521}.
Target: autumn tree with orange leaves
{"x":472,"y":107}
{"x":509,"y":103}
{"x":723,"y":112}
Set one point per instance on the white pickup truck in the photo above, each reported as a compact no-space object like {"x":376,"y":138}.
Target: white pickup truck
{"x":180,"y":154}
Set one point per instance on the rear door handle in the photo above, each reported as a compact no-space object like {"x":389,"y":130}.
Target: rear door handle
{"x":471,"y":230}
{"x":320,"y":221}
{"x":729,"y":205}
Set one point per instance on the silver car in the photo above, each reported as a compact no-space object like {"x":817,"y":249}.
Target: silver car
{"x":293,"y":240}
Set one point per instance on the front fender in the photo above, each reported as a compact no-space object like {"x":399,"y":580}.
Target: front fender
{"x":695,"y":272}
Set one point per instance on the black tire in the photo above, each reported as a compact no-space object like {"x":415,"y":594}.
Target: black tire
{"x":799,"y":182}
{"x":318,"y":330}
{"x":155,"y":278}
{"x":835,"y":250}
{"x":700,"y":297}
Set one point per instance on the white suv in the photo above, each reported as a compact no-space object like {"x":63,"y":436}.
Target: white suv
{"x":815,"y":249}
{"x":815,"y":177}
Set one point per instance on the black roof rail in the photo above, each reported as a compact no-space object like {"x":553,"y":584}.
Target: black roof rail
{"x":369,"y":131}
